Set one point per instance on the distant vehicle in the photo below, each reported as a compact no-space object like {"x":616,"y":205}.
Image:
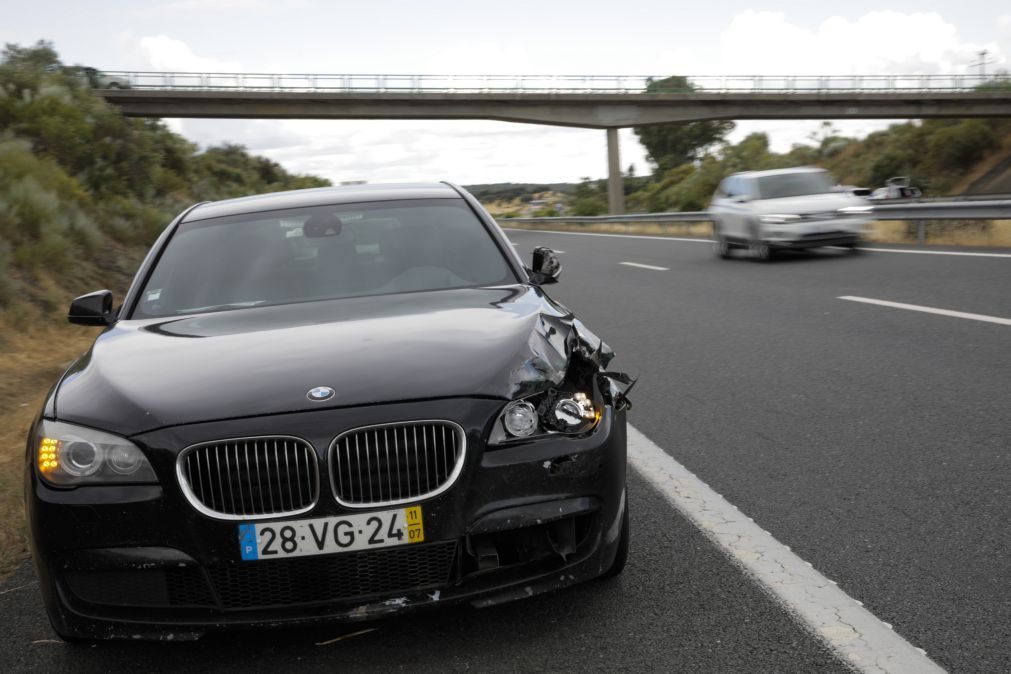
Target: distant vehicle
{"x":325,"y":404}
{"x":96,"y":79}
{"x":795,"y":208}
{"x":898,"y":187}
{"x":856,"y":191}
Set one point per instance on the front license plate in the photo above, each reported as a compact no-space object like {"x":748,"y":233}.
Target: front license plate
{"x":326,"y":535}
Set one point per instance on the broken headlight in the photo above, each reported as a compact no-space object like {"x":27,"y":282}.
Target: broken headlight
{"x":548,"y":413}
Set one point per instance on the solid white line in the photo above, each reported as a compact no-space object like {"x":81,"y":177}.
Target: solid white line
{"x":855,"y":634}
{"x":935,"y":252}
{"x":675,"y":238}
{"x":644,"y":266}
{"x":929,"y":310}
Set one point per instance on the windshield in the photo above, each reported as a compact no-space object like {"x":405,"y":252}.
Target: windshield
{"x":794,"y":184}
{"x":323,"y":252}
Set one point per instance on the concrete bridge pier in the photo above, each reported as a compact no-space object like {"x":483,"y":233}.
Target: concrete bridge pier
{"x":615,"y":184}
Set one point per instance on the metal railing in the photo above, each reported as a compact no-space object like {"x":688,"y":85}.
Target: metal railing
{"x":544,"y":84}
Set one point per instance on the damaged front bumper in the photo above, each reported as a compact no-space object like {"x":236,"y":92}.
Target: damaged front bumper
{"x":139,"y":562}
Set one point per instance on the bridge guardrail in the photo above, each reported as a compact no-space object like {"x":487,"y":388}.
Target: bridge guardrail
{"x":573,"y":84}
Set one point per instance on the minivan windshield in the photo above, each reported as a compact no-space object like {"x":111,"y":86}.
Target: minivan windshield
{"x":794,"y":184}
{"x":322,"y":252}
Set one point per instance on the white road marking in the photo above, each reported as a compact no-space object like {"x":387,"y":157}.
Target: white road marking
{"x":929,"y":310}
{"x":694,"y":240}
{"x":855,"y":634}
{"x":644,"y":266}
{"x":935,"y":252}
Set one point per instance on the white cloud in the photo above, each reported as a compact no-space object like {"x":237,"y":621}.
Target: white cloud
{"x":160,"y":52}
{"x":204,"y":7}
{"x":885,"y":41}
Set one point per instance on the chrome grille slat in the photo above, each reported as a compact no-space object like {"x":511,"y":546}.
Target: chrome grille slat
{"x":255,"y":477}
{"x":395,"y":463}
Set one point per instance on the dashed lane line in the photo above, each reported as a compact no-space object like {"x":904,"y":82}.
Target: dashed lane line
{"x":851,"y":631}
{"x":929,"y":310}
{"x":644,"y":266}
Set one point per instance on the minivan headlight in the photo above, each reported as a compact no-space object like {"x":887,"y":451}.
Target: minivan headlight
{"x":779,"y":218}
{"x":69,"y":455}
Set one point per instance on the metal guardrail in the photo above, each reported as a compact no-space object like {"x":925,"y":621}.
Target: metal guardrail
{"x":945,"y":210}
{"x":997,"y":209}
{"x":571,"y":84}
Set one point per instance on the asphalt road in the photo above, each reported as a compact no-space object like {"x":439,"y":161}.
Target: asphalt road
{"x":679,"y":606}
{"x":872,"y":440}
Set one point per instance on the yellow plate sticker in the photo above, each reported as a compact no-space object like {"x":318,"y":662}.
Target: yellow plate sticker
{"x":415,"y":525}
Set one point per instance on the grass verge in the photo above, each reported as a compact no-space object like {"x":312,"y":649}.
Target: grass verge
{"x":30,"y":361}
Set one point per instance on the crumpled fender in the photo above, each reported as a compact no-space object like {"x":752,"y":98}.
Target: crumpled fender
{"x":562,"y":347}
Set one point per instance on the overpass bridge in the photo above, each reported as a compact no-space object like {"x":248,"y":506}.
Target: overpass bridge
{"x":601,"y":102}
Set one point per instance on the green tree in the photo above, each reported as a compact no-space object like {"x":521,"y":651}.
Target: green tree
{"x":673,"y":144}
{"x":83,"y":189}
{"x":589,"y":198}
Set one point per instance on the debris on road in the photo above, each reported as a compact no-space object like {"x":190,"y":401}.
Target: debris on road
{"x":346,"y":636}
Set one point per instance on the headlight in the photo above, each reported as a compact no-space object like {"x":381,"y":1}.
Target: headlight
{"x":69,"y":455}
{"x":549,"y":413}
{"x":520,"y":419}
{"x":856,"y":210}
{"x":779,"y":218}
{"x":574,"y":414}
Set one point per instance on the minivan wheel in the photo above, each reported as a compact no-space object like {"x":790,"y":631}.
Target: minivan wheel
{"x":721,"y":247}
{"x":760,"y":250}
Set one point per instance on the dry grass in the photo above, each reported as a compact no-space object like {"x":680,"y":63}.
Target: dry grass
{"x":30,"y":361}
{"x":993,"y":233}
{"x":699,"y":229}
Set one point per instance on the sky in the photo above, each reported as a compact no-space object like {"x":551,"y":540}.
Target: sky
{"x":588,"y":37}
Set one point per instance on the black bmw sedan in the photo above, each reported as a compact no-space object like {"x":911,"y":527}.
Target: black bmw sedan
{"x":327,"y":404}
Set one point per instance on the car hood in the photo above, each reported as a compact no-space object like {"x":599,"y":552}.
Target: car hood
{"x":490,"y":342}
{"x":810,"y":203}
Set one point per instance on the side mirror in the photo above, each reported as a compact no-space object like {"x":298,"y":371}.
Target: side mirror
{"x":92,"y":309}
{"x":546,"y":266}
{"x":740,"y":198}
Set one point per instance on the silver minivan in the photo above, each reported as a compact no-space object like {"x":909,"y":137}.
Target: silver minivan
{"x":795,"y":208}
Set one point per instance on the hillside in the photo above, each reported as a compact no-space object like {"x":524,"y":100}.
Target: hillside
{"x":942,"y":157}
{"x":84,"y":190}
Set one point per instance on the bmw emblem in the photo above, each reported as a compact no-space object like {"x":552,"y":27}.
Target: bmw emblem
{"x":320,"y":393}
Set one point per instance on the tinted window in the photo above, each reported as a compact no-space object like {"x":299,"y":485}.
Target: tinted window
{"x":299,"y":255}
{"x":794,"y":184}
{"x":733,"y":186}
